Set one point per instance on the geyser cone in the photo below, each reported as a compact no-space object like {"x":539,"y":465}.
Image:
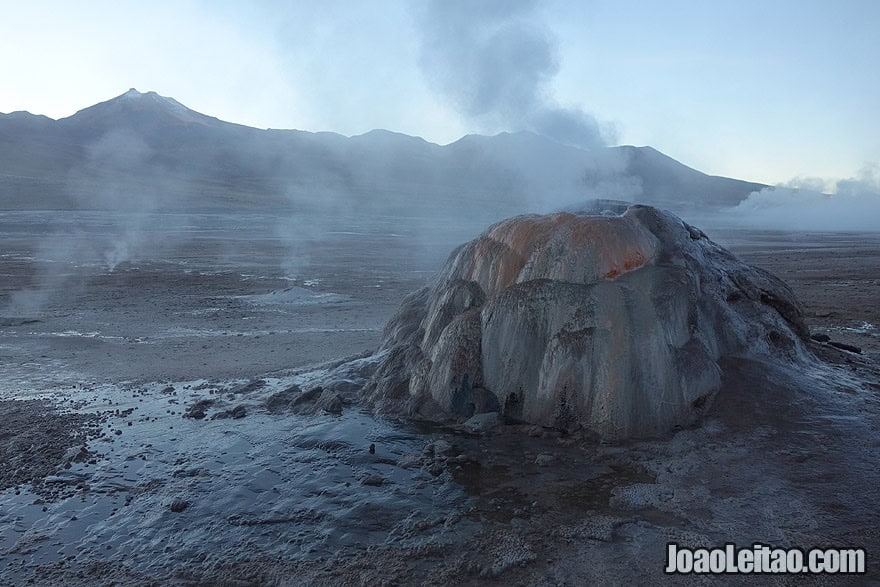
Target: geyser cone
{"x":614,"y":324}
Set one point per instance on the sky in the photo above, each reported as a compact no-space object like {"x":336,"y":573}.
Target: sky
{"x":767,"y":90}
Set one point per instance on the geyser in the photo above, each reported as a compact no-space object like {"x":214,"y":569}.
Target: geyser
{"x":608,"y":323}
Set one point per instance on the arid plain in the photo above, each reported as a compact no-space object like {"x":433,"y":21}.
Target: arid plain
{"x":110,"y":474}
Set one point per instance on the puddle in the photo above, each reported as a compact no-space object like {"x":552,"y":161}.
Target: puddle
{"x":166,"y":491}
{"x":297,"y":296}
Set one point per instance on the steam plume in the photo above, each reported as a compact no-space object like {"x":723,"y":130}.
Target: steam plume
{"x":802,"y":204}
{"x":494,"y":60}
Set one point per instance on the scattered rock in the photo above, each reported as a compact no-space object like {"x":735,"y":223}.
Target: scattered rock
{"x":304,"y":403}
{"x":198,"y":410}
{"x":315,"y":400}
{"x":178,"y":505}
{"x":283,"y":400}
{"x":330,"y":402}
{"x":235,"y":413}
{"x":437,"y":456}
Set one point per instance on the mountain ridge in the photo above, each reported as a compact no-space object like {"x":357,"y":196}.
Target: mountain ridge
{"x":144,"y":141}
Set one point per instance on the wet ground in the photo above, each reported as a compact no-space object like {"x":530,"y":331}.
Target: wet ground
{"x":108,"y":339}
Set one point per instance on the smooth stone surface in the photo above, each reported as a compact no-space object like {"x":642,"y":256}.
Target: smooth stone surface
{"x":574,"y":321}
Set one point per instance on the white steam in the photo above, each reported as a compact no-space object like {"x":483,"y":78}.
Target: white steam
{"x":494,"y":60}
{"x":809,"y":204}
{"x":119,"y":193}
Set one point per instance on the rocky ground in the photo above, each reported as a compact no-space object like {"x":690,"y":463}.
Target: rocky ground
{"x":153,"y":435}
{"x":37,"y":440}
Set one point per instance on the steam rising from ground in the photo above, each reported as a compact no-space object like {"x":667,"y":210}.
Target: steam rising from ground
{"x":806,"y":204}
{"x":494,"y":60}
{"x":105,"y":183}
{"x":52,"y":258}
{"x":120,"y":230}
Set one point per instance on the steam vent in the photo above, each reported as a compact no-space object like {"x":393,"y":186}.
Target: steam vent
{"x":610,"y":323}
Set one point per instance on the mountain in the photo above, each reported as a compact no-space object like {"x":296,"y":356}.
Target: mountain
{"x":678,"y":185}
{"x":143,"y":112}
{"x":145,"y":151}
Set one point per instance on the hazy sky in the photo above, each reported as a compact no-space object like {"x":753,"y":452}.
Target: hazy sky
{"x":757,"y":89}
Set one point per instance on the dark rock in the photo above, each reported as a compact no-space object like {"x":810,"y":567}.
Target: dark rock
{"x":316,"y":400}
{"x":845,"y":347}
{"x":178,"y":505}
{"x":198,"y":410}
{"x":330,"y":402}
{"x":820,"y":337}
{"x":436,"y":456}
{"x":283,"y":400}
{"x":307,"y":397}
{"x":236,"y":413}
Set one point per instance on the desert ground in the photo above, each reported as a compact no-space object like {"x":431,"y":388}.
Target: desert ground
{"x":140,"y":444}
